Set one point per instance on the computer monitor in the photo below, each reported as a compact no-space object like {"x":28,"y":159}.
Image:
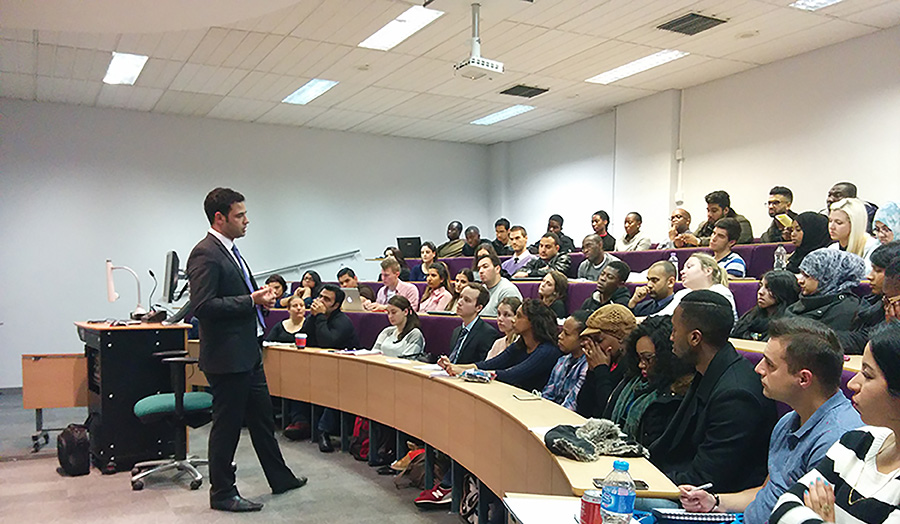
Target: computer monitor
{"x":411,"y":247}
{"x":171,"y":278}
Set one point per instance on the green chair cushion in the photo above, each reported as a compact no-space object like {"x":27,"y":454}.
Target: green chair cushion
{"x":164,"y":403}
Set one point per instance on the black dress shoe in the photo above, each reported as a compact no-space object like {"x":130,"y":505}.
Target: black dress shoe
{"x":298,"y":482}
{"x":237,"y":504}
{"x":325,"y":443}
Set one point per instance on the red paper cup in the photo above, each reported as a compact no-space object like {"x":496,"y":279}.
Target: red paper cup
{"x":300,"y":340}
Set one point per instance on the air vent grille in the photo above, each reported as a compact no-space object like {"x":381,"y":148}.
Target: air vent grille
{"x":524,"y":91}
{"x":691,"y":24}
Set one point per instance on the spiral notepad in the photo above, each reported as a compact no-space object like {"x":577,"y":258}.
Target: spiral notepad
{"x":686,"y":516}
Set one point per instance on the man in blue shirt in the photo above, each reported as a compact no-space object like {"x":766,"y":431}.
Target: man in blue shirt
{"x":801,"y":367}
{"x":659,"y":290}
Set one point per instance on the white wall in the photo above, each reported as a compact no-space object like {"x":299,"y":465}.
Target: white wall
{"x":805,"y":122}
{"x":568,"y":171}
{"x":80,"y":185}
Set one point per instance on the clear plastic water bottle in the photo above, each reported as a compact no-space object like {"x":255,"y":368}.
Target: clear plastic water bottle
{"x":673,"y":258}
{"x":617,"y":501}
{"x":780,"y":257}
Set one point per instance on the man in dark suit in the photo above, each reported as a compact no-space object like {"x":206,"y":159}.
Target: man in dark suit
{"x":720,"y":433}
{"x":227,"y":303}
{"x":472,"y":340}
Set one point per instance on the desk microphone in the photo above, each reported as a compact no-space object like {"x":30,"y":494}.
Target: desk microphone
{"x":155,"y":284}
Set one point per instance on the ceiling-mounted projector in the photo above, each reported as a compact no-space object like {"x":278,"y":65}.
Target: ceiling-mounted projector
{"x":475,"y":66}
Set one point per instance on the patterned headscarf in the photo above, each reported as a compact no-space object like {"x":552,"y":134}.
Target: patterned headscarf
{"x":837,"y":271}
{"x":889,"y":215}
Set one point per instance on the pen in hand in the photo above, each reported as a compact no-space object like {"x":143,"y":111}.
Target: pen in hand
{"x":703,"y":487}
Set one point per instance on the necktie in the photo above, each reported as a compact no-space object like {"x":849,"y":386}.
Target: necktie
{"x":459,"y":342}
{"x":247,"y":281}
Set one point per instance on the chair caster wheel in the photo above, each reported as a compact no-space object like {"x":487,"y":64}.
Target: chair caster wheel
{"x":195,"y":484}
{"x":137,"y":485}
{"x":135,"y":471}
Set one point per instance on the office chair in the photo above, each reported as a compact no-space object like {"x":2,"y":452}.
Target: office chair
{"x":180,"y":409}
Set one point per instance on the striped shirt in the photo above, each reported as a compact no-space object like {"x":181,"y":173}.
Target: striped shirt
{"x":862,"y":493}
{"x":734,"y":265}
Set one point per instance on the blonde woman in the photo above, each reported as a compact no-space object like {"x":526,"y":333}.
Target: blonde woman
{"x":847,"y":227}
{"x":701,"y":271}
{"x":506,"y":317}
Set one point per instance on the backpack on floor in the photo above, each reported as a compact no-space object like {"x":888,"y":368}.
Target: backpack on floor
{"x":73,"y":448}
{"x":359,"y":442}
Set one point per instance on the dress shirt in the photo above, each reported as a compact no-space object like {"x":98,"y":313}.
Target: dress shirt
{"x":516,"y":262}
{"x":229,"y":245}
{"x":410,"y":291}
{"x":436,"y":301}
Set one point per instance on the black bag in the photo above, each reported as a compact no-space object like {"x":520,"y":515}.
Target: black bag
{"x":73,"y":447}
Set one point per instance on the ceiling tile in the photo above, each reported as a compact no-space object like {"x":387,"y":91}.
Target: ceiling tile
{"x":291,"y":114}
{"x":190,"y":104}
{"x":21,"y":35}
{"x":232,"y":108}
{"x":280,"y":22}
{"x":375,"y":100}
{"x":17,"y":57}
{"x":18,"y":85}
{"x":884,"y":15}
{"x":207,"y":79}
{"x":129,"y":97}
{"x":67,"y":91}
{"x":383,"y":124}
{"x":830,"y":32}
{"x":339,"y":119}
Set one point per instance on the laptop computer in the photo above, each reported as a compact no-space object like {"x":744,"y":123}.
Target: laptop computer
{"x":352,"y":302}
{"x":411,"y":247}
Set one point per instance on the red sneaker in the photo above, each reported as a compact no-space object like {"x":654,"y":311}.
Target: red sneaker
{"x":436,"y":496}
{"x":297,"y":431}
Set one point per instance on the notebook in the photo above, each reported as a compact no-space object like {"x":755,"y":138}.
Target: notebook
{"x":686,"y":516}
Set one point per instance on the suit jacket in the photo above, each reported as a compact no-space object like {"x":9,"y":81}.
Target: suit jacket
{"x":222,"y":304}
{"x":477,"y":344}
{"x":721,"y":431}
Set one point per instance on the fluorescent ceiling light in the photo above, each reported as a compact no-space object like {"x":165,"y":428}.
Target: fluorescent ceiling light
{"x":813,"y":5}
{"x":638,"y":66}
{"x":509,"y":112}
{"x":124,"y":68}
{"x":401,"y":28}
{"x":310,"y":91}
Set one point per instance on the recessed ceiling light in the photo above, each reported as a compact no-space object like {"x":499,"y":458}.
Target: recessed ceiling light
{"x":813,"y":5}
{"x":124,"y":68}
{"x":309,"y":92}
{"x":401,"y":28}
{"x":509,"y":112}
{"x":638,"y":66}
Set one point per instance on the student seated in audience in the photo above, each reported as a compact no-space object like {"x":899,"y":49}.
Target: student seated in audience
{"x":347,"y":278}
{"x":486,"y":249}
{"x":554,"y":225}
{"x":718,"y":206}
{"x":720,"y":433}
{"x":778,"y":290}
{"x":602,"y":342}
{"x":701,"y":271}
{"x":506,"y":317}
{"x":501,"y":240}
{"x":403,"y":338}
{"x":679,"y":226}
{"x":722,"y":240}
{"x":657,"y":293}
{"x":595,"y":258}
{"x":473,"y":239}
{"x":454,"y":245}
{"x":398,"y":256}
{"x":518,"y":242}
{"x":553,"y":291}
{"x":887,"y":222}
{"x":654,"y":382}
{"x":809,"y":232}
{"x":847,"y":228}
{"x":528,"y":362}
{"x":278,"y":286}
{"x":463,"y":277}
{"x":892,"y":292}
{"x":843,"y":190}
{"x":610,"y":287}
{"x":827,"y":278}
{"x":471,"y":341}
{"x":284,"y":331}
{"x":634,"y":239}
{"x":857,"y":481}
{"x":390,"y":276}
{"x":801,"y":367}
{"x":497,"y":286}
{"x":328,"y":327}
{"x":428,"y":252}
{"x":780,"y":200}
{"x":568,"y":374}
{"x":437,"y":295}
{"x":310,"y":285}
{"x":600,"y":223}
{"x":871,"y":307}
{"x":549,"y":257}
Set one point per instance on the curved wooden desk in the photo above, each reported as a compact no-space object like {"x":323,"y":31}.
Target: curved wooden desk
{"x":482,"y":426}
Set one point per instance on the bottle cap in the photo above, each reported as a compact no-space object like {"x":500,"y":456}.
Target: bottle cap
{"x":620,"y":465}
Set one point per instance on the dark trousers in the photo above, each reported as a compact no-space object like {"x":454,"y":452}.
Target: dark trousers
{"x":239,"y":397}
